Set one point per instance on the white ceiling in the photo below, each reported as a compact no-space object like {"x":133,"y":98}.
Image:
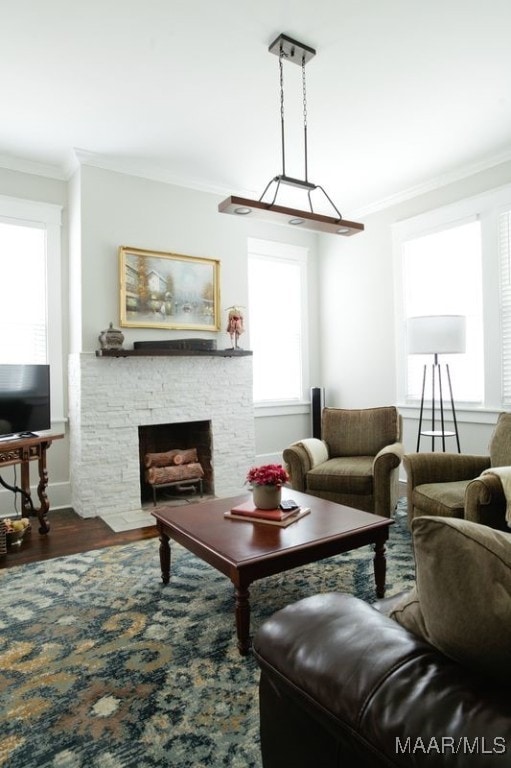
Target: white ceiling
{"x":400,"y":91}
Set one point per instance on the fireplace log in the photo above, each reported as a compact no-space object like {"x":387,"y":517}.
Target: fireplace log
{"x":168,"y":458}
{"x":162,"y":475}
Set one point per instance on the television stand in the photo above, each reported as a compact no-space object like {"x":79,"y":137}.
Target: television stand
{"x":22,"y":451}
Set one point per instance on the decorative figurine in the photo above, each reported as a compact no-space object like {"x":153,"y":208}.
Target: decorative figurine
{"x":235,"y":325}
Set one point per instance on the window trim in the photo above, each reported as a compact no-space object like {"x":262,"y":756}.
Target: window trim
{"x":14,"y":210}
{"x":468,"y":311}
{"x":297,"y":254}
{"x":485,"y":206}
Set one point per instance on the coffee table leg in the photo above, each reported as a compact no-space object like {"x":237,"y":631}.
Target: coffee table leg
{"x":243,"y":619}
{"x":380,"y":568}
{"x":164,"y":557}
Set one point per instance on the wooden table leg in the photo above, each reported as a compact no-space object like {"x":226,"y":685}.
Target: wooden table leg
{"x":164,"y":557}
{"x":243,"y":619}
{"x":44,"y":504}
{"x":380,"y":567}
{"x":25,"y":487}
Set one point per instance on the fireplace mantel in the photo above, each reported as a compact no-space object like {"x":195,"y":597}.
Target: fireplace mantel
{"x":154,"y":352}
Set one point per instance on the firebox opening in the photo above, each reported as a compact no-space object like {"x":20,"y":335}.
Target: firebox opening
{"x":179,"y":441}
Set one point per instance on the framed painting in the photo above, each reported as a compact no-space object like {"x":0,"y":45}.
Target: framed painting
{"x":168,"y":290}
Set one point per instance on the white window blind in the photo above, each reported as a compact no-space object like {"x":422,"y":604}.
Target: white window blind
{"x":276,"y":316}
{"x":23,"y":309}
{"x":504,"y":233}
{"x":31,"y":318}
{"x":442,"y":276}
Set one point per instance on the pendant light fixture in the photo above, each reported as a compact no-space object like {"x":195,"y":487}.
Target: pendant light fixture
{"x":290,"y":50}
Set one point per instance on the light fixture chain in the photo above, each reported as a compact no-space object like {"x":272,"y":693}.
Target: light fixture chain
{"x":304,"y":87}
{"x":304,"y":90}
{"x":283,"y":142}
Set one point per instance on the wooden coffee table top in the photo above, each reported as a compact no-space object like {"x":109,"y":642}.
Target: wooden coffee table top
{"x":257,"y":549}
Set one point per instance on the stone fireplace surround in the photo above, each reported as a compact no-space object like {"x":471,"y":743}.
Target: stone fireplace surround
{"x":110,"y":398}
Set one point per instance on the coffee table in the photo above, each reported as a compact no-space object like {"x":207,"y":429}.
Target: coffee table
{"x":246,"y":551}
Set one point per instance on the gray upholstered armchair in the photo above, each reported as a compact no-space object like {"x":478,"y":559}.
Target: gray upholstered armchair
{"x":356,"y":461}
{"x":451,"y":484}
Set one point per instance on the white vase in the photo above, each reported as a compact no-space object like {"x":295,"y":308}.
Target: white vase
{"x":266,"y":496}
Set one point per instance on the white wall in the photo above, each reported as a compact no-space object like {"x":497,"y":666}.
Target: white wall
{"x":357,"y":312}
{"x":118,"y":209}
{"x":356,"y":320}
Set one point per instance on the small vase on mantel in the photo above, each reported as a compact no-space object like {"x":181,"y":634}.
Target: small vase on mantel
{"x":266,"y":496}
{"x":112,"y":338}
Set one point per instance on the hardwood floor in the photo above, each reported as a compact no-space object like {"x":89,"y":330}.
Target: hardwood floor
{"x":69,"y":534}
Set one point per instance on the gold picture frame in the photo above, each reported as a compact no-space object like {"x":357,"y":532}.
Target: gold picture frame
{"x":168,"y":290}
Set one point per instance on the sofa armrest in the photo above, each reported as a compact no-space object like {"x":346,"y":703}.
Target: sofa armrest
{"x":298,"y":463}
{"x":485,"y":502}
{"x":367,"y":686}
{"x":389,"y":457}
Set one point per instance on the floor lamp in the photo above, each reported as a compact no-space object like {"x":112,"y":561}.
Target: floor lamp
{"x":437,"y":335}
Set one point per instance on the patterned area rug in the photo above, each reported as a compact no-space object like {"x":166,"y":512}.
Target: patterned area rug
{"x":104,"y":667}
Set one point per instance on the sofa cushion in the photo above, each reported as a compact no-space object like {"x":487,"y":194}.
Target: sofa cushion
{"x":444,"y":499}
{"x":462,"y":601}
{"x":353,"y":474}
{"x":361,"y":432}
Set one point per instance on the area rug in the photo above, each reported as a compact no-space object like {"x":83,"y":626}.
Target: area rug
{"x":104,"y":667}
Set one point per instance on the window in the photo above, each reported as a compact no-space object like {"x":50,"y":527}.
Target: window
{"x":442,"y":276}
{"x":504,"y":234}
{"x":277,"y":303}
{"x":30,"y":310}
{"x":457,"y":260}
{"x":23,"y":337}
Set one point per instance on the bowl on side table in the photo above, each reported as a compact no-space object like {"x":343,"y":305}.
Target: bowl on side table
{"x":15,"y":531}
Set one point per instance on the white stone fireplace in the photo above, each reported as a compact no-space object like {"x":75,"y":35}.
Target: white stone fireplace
{"x":111,"y":397}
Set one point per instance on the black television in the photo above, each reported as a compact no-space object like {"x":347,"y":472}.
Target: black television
{"x":24,"y":399}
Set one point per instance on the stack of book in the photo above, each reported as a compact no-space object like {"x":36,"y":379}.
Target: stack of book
{"x":278,"y":516}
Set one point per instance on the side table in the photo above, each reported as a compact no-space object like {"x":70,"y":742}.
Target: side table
{"x":23,"y":450}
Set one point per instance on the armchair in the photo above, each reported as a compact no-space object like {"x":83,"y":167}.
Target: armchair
{"x":356,"y":461}
{"x":451,"y":485}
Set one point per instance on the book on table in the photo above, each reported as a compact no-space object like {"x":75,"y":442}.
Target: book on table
{"x":248,"y":511}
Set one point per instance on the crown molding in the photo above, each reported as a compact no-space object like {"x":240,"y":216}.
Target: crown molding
{"x":134,"y":167}
{"x":22,"y":165}
{"x":437,"y":182}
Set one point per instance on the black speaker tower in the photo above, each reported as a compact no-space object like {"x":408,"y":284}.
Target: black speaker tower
{"x":317,"y":405}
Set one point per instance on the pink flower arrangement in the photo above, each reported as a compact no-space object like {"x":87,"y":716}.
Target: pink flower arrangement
{"x":269,"y":474}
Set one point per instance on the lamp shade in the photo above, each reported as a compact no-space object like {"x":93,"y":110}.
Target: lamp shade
{"x":436,"y":334}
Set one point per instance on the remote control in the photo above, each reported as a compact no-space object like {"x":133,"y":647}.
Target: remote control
{"x":287,"y":505}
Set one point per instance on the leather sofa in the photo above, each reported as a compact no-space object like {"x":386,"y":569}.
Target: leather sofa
{"x":342,"y":684}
